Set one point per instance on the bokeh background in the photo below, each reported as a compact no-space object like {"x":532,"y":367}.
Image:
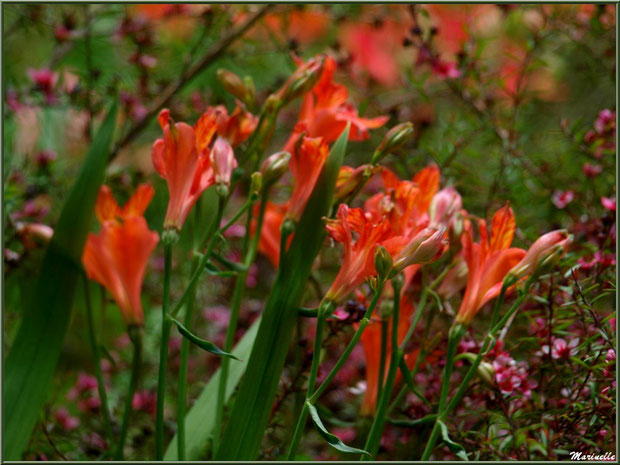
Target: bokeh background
{"x":514,"y":103}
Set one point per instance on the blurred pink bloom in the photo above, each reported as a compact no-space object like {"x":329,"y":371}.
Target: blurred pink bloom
{"x":562,"y":349}
{"x":592,"y":171}
{"x":562,"y":198}
{"x":45,"y":157}
{"x":45,"y":80}
{"x":445,"y":69}
{"x":609,"y":203}
{"x":145,"y":401}
{"x":611,"y":355}
{"x":65,"y":420}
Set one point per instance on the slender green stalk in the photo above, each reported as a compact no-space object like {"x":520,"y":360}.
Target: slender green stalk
{"x":185,"y":345}
{"x":166,"y":323}
{"x":490,"y":338}
{"x":182,"y":387}
{"x":384,"y":338}
{"x":135,"y":335}
{"x":314,"y":369}
{"x":418,"y":362}
{"x":376,"y":430}
{"x":251,"y":248}
{"x":341,"y":361}
{"x":356,"y":337}
{"x":107,"y":421}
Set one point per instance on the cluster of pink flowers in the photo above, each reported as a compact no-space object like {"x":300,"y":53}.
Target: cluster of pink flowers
{"x":603,"y":137}
{"x":85,"y":392}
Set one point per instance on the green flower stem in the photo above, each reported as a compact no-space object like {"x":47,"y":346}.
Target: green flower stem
{"x":166,"y":323}
{"x":107,"y":421}
{"x":135,"y":334}
{"x":384,"y":338}
{"x":339,"y":364}
{"x":490,"y":338}
{"x":325,"y":310}
{"x":182,"y":391}
{"x":251,"y":248}
{"x":347,"y":352}
{"x":418,"y":362}
{"x":185,"y":344}
{"x":376,"y":430}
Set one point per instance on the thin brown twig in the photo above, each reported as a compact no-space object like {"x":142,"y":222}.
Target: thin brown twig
{"x":186,"y":77}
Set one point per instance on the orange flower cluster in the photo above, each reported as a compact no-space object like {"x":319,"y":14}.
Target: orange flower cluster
{"x":190,"y":161}
{"x":116,"y":257}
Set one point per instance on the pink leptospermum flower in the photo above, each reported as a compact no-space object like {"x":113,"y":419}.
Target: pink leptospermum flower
{"x":609,"y":203}
{"x":562,"y":198}
{"x":223,"y":161}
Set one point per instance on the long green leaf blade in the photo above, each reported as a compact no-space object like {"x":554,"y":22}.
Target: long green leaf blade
{"x":202,"y":343}
{"x":331,"y":439}
{"x":30,"y":364}
{"x":250,"y":413}
{"x":200,"y":420}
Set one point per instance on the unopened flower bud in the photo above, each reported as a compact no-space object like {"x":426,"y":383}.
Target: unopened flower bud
{"x":33,"y":233}
{"x":250,"y":89}
{"x":170,"y":236}
{"x":275,"y":166}
{"x":302,"y":80}
{"x":386,"y":309}
{"x":350,"y":178}
{"x":487,"y":373}
{"x":543,"y":253}
{"x":223,"y":161}
{"x":272,"y":104}
{"x":233,"y":84}
{"x":425,"y":247}
{"x":383,"y":262}
{"x":446,"y":204}
{"x":393,"y":140}
{"x":256,"y":184}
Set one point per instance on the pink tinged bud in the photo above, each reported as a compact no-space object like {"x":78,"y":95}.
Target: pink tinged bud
{"x":444,"y":206}
{"x":223,"y":161}
{"x":609,"y":203}
{"x":423,"y":248}
{"x":547,"y":248}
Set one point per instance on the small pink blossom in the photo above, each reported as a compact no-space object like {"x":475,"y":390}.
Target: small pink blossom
{"x":609,"y":203}
{"x":561,"y":349}
{"x":65,"y":420}
{"x":562,"y":198}
{"x":591,"y":170}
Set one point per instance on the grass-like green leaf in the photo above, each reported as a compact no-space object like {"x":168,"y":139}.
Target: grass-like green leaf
{"x":250,"y":413}
{"x":453,"y":446}
{"x":30,"y":364}
{"x":202,"y":343}
{"x":200,"y":420}
{"x":331,"y":439}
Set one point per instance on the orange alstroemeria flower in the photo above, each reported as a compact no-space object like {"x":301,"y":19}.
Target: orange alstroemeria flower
{"x":488,"y":261}
{"x":307,"y":161}
{"x":237,"y":126}
{"x":405,"y":203}
{"x":358,"y":261}
{"x":325,"y":113}
{"x":116,"y":257}
{"x":182,"y":159}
